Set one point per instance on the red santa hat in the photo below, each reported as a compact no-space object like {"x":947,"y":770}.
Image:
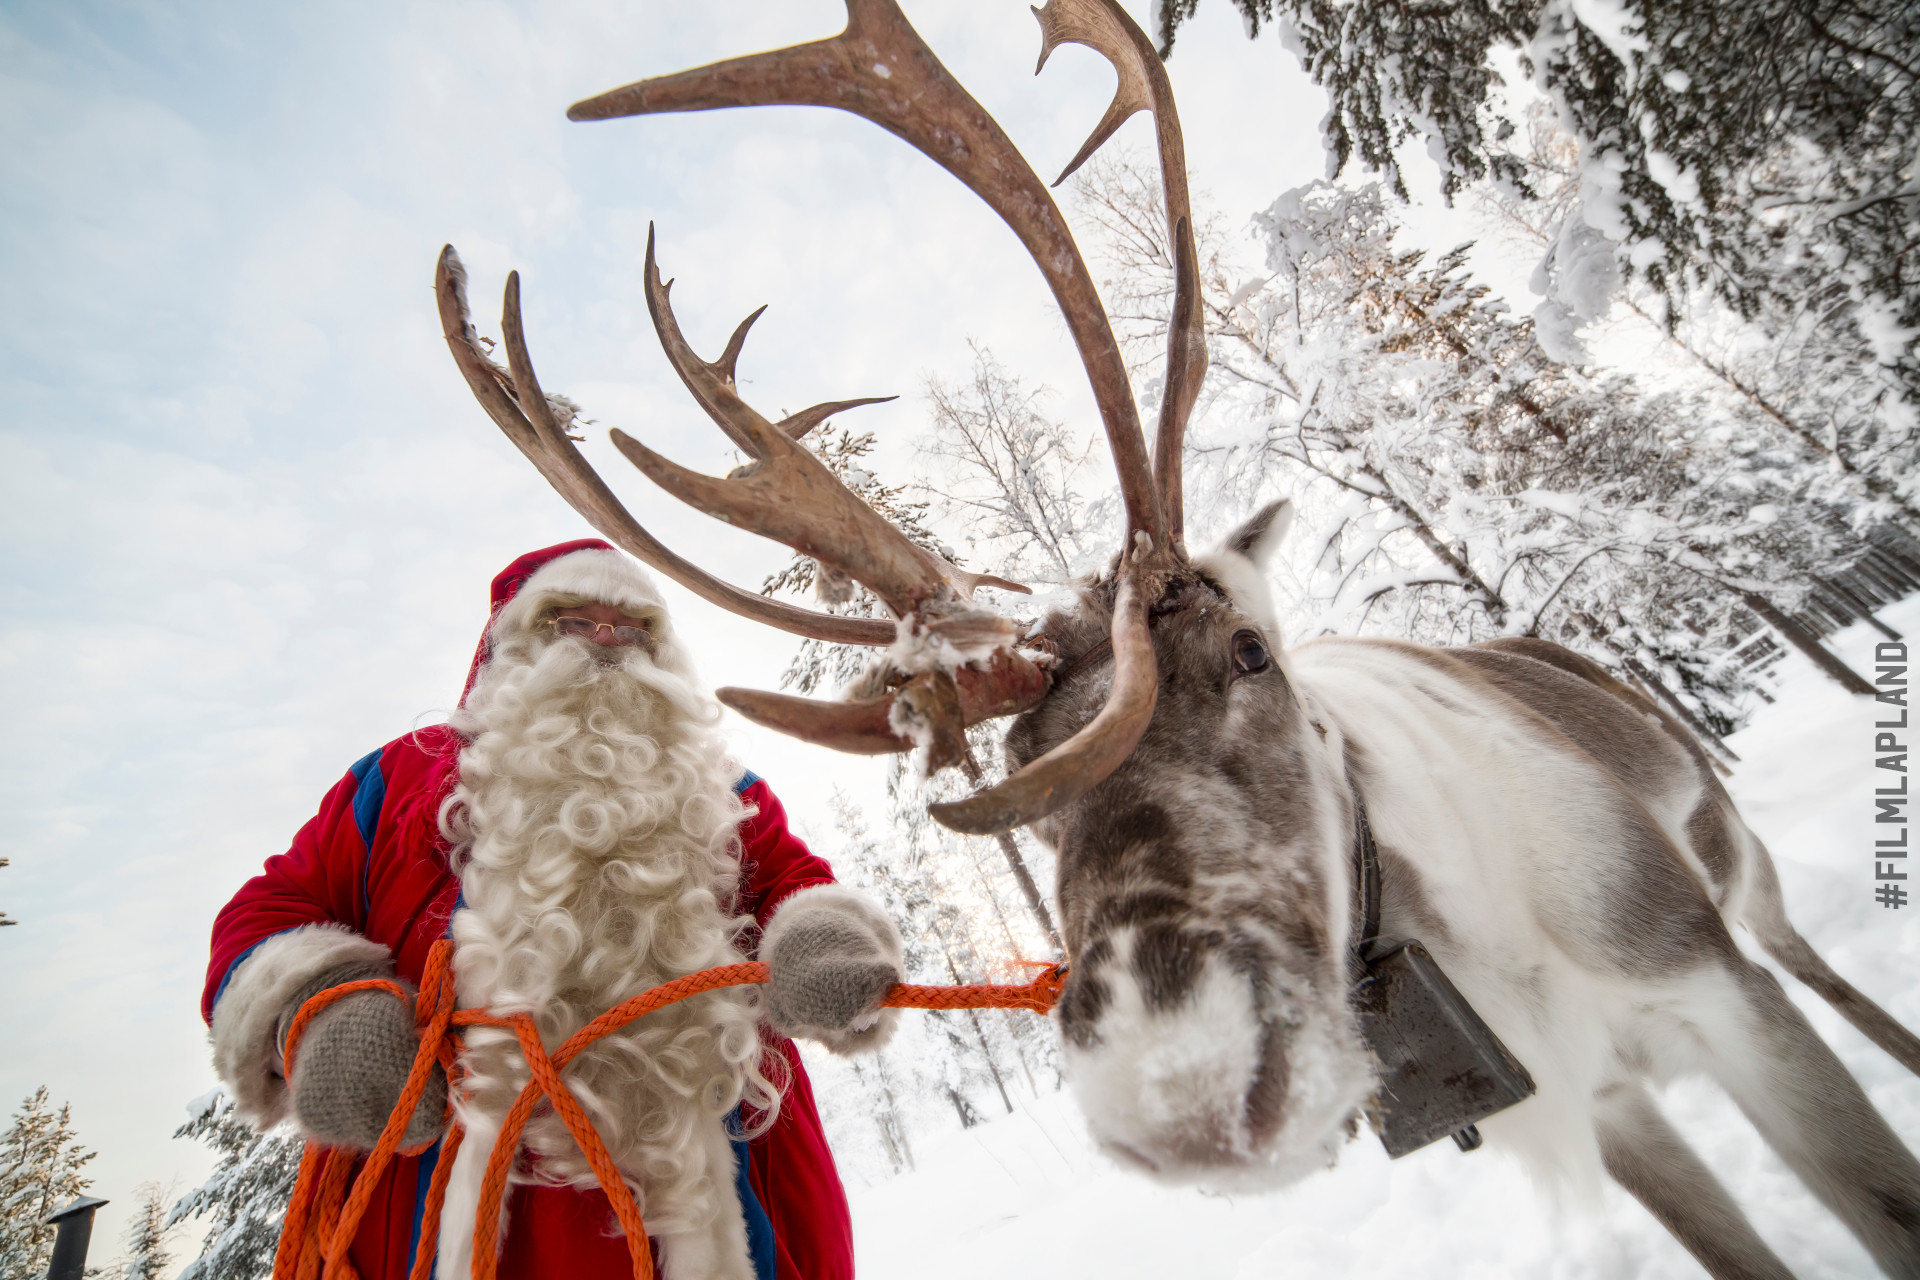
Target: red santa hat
{"x":586,"y":568}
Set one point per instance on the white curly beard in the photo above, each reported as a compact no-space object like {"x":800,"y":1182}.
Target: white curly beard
{"x":594,"y":829}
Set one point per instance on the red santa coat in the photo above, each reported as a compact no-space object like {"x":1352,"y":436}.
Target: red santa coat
{"x":373,"y":860}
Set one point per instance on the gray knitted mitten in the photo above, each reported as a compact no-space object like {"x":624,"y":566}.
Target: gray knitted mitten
{"x":831,"y":954}
{"x":352,"y":1064}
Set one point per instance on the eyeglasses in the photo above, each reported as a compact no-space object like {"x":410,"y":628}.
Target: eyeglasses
{"x":587,"y":628}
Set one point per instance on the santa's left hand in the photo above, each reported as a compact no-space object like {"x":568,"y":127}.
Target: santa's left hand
{"x":831,"y":955}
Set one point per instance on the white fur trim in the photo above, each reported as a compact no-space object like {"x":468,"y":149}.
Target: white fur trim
{"x":602,"y":577}
{"x":838,"y":899}
{"x":246,"y":1021}
{"x":462,"y":1203}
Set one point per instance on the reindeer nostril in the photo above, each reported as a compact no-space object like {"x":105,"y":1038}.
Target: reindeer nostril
{"x":1081,"y":1004}
{"x":1267,"y":1095}
{"x":1167,"y":961}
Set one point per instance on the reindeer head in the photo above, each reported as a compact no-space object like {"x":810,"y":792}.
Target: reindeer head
{"x":1204,"y":890}
{"x":1161,"y":750}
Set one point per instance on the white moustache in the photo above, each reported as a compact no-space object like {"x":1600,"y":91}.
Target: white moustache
{"x":642,"y":690}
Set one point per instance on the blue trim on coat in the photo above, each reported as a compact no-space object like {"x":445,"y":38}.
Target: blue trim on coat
{"x":747,"y":778}
{"x":369,"y":795}
{"x":241,"y":959}
{"x":760,"y":1241}
{"x":429,"y":1160}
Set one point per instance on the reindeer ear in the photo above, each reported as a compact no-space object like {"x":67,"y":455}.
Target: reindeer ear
{"x":1262,"y":533}
{"x":1239,"y":563}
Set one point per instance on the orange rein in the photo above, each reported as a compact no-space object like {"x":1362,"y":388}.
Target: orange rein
{"x":325,"y":1212}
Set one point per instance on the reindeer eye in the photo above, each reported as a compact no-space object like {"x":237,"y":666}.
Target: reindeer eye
{"x":1249,"y":654}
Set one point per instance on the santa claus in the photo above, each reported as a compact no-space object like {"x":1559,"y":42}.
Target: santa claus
{"x":580,"y":832}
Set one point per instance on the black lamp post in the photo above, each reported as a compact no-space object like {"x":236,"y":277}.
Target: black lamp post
{"x":70,"y":1246}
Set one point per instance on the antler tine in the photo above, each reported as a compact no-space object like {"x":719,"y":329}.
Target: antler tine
{"x":1079,"y":764}
{"x":518,"y":407}
{"x":1004,"y":686}
{"x":880,"y":69}
{"x":795,"y":500}
{"x":715,"y":384}
{"x":1007,"y":686}
{"x":1102,"y":25}
{"x":712,"y":384}
{"x":786,"y":493}
{"x":798,"y":424}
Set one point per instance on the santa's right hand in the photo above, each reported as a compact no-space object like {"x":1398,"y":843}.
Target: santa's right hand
{"x":350,"y":1067}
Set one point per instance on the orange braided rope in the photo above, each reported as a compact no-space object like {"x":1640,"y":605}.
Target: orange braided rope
{"x":325,"y":1212}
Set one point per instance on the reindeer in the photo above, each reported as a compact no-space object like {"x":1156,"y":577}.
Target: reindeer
{"x":1560,"y":845}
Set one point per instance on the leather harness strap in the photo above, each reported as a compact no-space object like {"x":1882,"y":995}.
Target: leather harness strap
{"x":1366,"y":883}
{"x":1087,"y":659}
{"x":1366,"y":877}
{"x":1084,"y":661}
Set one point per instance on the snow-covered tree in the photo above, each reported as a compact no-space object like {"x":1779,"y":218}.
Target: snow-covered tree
{"x":1718,"y":140}
{"x":148,"y":1234}
{"x":40,"y":1170}
{"x":1013,"y":478}
{"x":5,"y":919}
{"x":1801,"y":371}
{"x":1458,"y":481}
{"x":244,"y":1198}
{"x":1316,"y":374}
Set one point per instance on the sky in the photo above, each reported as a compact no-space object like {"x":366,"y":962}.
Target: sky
{"x":248,"y":508}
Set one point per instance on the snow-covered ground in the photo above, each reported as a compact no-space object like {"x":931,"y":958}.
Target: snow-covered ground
{"x":1025,"y":1196}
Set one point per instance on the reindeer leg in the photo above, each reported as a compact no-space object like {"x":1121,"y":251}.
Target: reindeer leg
{"x":1814,"y":1114}
{"x":1765,"y":913}
{"x":1644,"y":1154}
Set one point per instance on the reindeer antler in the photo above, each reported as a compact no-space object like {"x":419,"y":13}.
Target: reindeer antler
{"x":1104,"y":26}
{"x":956,"y":665}
{"x":513,"y":399}
{"x":880,"y":69}
{"x":789,"y":495}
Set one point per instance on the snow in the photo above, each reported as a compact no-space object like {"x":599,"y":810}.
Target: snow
{"x":1879,"y":324}
{"x":1026,"y":1196}
{"x":1618,"y":27}
{"x":1578,"y":277}
{"x":1681,"y":185}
